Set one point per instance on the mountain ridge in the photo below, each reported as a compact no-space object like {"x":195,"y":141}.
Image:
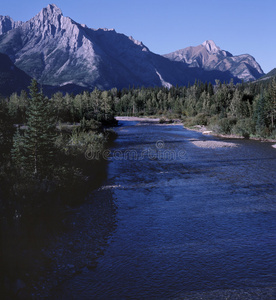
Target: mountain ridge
{"x":58,"y":51}
{"x":12,"y":79}
{"x":210,"y":57}
{"x":7,"y":23}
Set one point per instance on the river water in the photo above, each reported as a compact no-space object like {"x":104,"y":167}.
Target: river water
{"x":191,"y":222}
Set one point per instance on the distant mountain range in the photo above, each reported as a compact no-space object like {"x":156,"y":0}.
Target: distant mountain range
{"x":62,"y":53}
{"x":269,"y":75}
{"x":210,"y":57}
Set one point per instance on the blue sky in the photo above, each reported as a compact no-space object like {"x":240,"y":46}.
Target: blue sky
{"x":238,"y":26}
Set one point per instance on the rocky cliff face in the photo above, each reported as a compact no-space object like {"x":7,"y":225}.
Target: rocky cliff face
{"x":51,"y":48}
{"x":7,"y":23}
{"x":210,"y":57}
{"x":59,"y":51}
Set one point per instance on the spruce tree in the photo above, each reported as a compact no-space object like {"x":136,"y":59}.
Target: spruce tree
{"x":17,"y":152}
{"x":260,"y":114}
{"x":38,"y":140}
{"x":272,"y":104}
{"x":6,"y":130}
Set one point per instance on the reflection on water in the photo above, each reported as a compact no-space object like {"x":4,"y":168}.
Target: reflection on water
{"x":200,"y":226}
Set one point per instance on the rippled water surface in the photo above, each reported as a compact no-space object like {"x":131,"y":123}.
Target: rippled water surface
{"x":188,"y":219}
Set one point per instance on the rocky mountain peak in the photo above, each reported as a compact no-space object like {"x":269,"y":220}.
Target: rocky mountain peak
{"x":49,"y":14}
{"x":209,"y":56}
{"x":52,"y":9}
{"x":58,"y":51}
{"x":50,"y":22}
{"x":7,"y":23}
{"x":211,"y":46}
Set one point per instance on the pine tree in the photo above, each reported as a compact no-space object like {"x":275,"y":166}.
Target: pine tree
{"x":235,"y":106}
{"x":210,"y":89}
{"x":17,"y":151}
{"x":6,"y":130}
{"x":272,"y":104}
{"x":260,"y":114}
{"x":38,"y":140}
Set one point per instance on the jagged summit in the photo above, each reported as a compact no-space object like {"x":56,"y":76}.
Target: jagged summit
{"x":53,"y":9}
{"x":211,"y":46}
{"x":58,"y":51}
{"x":139,"y":43}
{"x":209,"y":56}
{"x":7,"y":23}
{"x":49,"y":14}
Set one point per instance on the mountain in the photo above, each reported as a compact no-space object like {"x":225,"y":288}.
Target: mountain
{"x":210,"y":57}
{"x":12,"y":79}
{"x":269,"y":75}
{"x":58,"y":51}
{"x":6,"y":24}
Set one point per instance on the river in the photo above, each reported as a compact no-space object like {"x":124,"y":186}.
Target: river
{"x":191,"y":222}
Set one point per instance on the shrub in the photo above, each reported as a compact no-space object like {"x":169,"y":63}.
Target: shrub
{"x":189,"y":121}
{"x":225,"y":125}
{"x":81,"y":141}
{"x":244,"y":127}
{"x":162,"y":120}
{"x":213,"y":120}
{"x":87,"y":125}
{"x":201,"y":119}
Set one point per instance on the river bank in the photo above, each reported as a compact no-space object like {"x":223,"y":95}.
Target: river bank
{"x":208,"y":131}
{"x":203,"y":142}
{"x":170,"y":227}
{"x":191,"y":226}
{"x":202,"y":129}
{"x":199,"y":128}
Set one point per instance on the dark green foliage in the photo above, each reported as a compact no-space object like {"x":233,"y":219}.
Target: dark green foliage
{"x":17,"y":151}
{"x":244,"y":127}
{"x":245,"y":109}
{"x":53,"y":135}
{"x":224,"y":125}
{"x":201,"y":119}
{"x":47,"y":144}
{"x":7,"y":130}
{"x":272,"y":103}
{"x":38,"y":139}
{"x":260,"y":114}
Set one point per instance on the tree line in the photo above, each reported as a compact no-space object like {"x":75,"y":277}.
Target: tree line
{"x":43,"y":140}
{"x":247,"y":109}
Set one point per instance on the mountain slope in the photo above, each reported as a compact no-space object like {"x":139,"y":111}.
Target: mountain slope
{"x":269,"y":75}
{"x":58,"y":51}
{"x":46,"y":44}
{"x":7,"y":23}
{"x":12,"y":79}
{"x":210,"y":57}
